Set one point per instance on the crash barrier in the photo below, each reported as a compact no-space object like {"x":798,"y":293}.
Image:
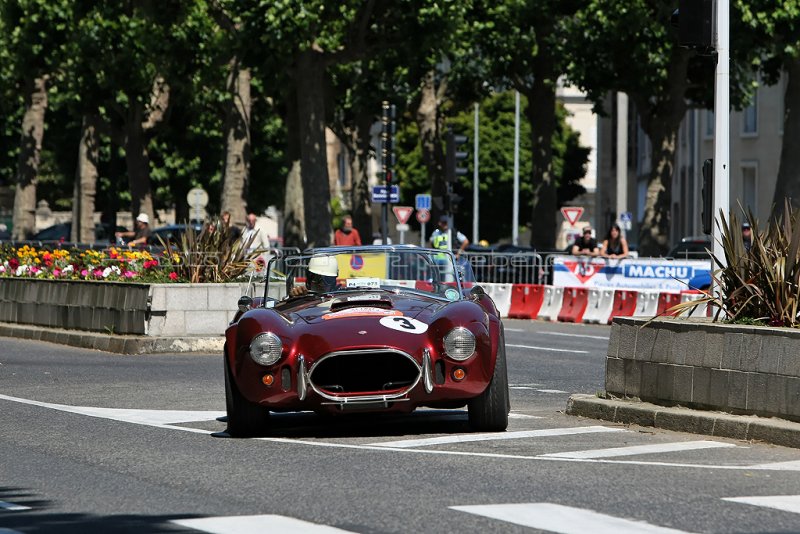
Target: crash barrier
{"x":587,"y":305}
{"x":506,"y":267}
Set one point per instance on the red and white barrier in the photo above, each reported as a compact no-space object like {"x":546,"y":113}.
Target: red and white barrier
{"x":551,"y":303}
{"x":624,"y":303}
{"x":573,"y":305}
{"x":600,"y":306}
{"x":526,"y":301}
{"x":501,"y":295}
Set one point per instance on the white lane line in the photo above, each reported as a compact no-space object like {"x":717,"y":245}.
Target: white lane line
{"x":11,"y":507}
{"x":9,"y":531}
{"x":604,"y":338}
{"x":496,"y":436}
{"x":513,"y":415}
{"x":256,"y":524}
{"x":564,"y":519}
{"x":514,"y":329}
{"x":547,"y":349}
{"x":641,"y":449}
{"x":779,"y":466}
{"x":550,"y":391}
{"x":521,"y":387}
{"x":144,"y":417}
{"x":786,"y":503}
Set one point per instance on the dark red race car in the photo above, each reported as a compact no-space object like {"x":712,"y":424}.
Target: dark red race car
{"x":379,"y":329}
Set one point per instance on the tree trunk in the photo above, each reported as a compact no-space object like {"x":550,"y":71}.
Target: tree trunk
{"x":788,"y":183}
{"x":237,"y":144}
{"x":360,"y":192}
{"x":660,"y":120}
{"x":430,"y":141}
{"x":310,"y":87}
{"x":85,"y":183}
{"x":24,"y":219}
{"x":294,"y":224}
{"x":138,"y":164}
{"x":541,"y":114}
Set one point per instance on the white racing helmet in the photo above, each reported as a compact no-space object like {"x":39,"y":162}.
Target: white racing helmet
{"x":322,"y":273}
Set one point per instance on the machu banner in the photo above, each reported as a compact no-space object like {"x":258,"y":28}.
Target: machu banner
{"x":655,"y":273}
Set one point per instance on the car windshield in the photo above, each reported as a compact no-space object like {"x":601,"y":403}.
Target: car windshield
{"x":388,"y":268}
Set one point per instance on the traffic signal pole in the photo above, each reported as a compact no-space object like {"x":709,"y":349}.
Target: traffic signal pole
{"x":721,"y":189}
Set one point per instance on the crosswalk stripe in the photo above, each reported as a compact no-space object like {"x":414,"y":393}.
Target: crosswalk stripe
{"x":492,"y":436}
{"x":641,"y":449}
{"x":564,"y":519}
{"x":779,"y":466}
{"x":257,"y":524}
{"x":11,"y":507}
{"x":786,"y":503}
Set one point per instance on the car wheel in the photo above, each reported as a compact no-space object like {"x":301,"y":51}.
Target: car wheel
{"x":489,"y":411}
{"x":245,"y":418}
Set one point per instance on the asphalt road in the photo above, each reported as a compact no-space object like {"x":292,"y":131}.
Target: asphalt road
{"x":95,"y":442}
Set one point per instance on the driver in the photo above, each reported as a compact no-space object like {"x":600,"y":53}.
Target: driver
{"x":321,"y":276}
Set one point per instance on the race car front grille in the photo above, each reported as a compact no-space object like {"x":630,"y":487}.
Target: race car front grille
{"x":348,"y":374}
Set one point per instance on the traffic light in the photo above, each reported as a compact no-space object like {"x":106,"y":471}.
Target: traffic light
{"x":388,"y":130}
{"x":707,"y":213}
{"x":694,"y":20}
{"x":453,"y":201}
{"x":454,"y":157}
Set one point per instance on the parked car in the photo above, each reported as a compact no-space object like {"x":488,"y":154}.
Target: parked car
{"x":171,"y":233}
{"x":691,"y":248}
{"x":352,"y":336}
{"x":63,"y":233}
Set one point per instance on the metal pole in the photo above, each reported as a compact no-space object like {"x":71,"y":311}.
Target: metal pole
{"x":722,"y":124}
{"x":422,"y":235}
{"x":515,"y":210}
{"x":622,"y":157}
{"x":475,"y":183}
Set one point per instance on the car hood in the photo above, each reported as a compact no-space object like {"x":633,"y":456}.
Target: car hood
{"x":367,"y":304}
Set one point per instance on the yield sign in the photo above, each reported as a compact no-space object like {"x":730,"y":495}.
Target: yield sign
{"x":572,"y":214}
{"x":402,"y":213}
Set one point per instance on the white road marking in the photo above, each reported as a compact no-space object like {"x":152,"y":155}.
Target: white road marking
{"x":564,"y":519}
{"x":641,"y":449}
{"x":496,"y":436}
{"x":536,"y":389}
{"x":786,"y":503}
{"x":547,"y":349}
{"x":9,"y":531}
{"x":11,"y":507}
{"x":520,"y":387}
{"x":513,"y":415}
{"x":514,"y":329}
{"x":143,"y":417}
{"x":780,"y":466}
{"x":604,"y":338}
{"x":257,"y":524}
{"x":297,"y":442}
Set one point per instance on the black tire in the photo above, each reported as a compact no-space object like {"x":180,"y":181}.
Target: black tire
{"x":245,"y":418}
{"x":489,"y":411}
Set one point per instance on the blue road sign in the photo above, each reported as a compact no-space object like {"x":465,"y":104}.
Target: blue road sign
{"x":380,"y":194}
{"x":626,"y":216}
{"x":423,"y":202}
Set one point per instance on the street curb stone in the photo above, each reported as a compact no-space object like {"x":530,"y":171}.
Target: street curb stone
{"x":120,"y":344}
{"x":633,"y":411}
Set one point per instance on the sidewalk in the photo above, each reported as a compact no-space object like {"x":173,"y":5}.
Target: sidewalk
{"x":631,"y":411}
{"x":121,"y":344}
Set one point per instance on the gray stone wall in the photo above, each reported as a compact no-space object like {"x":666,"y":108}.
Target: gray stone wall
{"x":119,"y":308}
{"x":737,"y":369}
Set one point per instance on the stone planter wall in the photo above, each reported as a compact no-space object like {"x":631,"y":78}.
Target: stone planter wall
{"x":699,"y":364}
{"x":119,"y":308}
{"x":158,"y":310}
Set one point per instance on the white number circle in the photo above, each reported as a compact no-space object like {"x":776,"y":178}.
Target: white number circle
{"x":404,"y":324}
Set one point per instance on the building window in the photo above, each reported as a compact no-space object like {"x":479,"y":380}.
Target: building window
{"x":708,"y":131}
{"x":749,"y":198}
{"x":750,"y":118}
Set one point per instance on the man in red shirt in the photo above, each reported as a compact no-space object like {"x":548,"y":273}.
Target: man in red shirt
{"x":347,"y":235}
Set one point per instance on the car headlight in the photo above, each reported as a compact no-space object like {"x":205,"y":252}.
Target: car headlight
{"x":459,"y":344}
{"x":266,"y":348}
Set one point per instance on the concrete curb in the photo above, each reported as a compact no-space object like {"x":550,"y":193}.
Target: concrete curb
{"x":744,"y":427}
{"x":114,"y":342}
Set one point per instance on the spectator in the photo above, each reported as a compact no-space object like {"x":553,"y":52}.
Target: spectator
{"x":585,"y":245}
{"x":440,"y":237}
{"x":140,"y":235}
{"x":234,"y":232}
{"x":747,"y":236}
{"x":615,"y":246}
{"x":252,"y":235}
{"x":347,"y":235}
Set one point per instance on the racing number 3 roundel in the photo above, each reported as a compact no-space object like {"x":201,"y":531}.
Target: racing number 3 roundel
{"x":404,"y":324}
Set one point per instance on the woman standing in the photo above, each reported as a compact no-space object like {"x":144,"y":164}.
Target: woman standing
{"x":615,"y":246}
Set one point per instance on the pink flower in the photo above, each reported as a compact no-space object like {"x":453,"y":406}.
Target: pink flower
{"x":129,"y":274}
{"x":56,"y":272}
{"x":173,"y":276}
{"x":84,"y":273}
{"x":34,"y":269}
{"x":98,"y":273}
